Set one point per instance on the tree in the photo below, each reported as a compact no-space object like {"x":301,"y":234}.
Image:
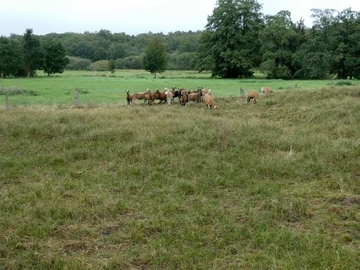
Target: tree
{"x":11,"y":57}
{"x":280,"y":39}
{"x":230,"y":44}
{"x":55,"y":58}
{"x":33,"y":55}
{"x":155,"y":57}
{"x":117,"y":50}
{"x":346,"y":53}
{"x":85,"y":50}
{"x":112,"y":66}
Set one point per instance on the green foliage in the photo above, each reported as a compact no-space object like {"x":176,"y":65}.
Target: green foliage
{"x":332,"y":49}
{"x":117,"y":51}
{"x":33,"y":53}
{"x":123,"y":48}
{"x":155,"y":57}
{"x":231,"y":42}
{"x":342,"y":83}
{"x":11,"y":57}
{"x":346,"y":59}
{"x":130,"y":62}
{"x":280,"y":40}
{"x":76,"y":63}
{"x":101,"y":65}
{"x":55,"y":58}
{"x":112,"y":66}
{"x":265,"y":186}
{"x":182,"y":61}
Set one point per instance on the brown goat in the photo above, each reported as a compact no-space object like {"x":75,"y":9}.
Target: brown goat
{"x":266,"y":90}
{"x":252,"y":95}
{"x":194,"y":97}
{"x":170,"y":96}
{"x":128,"y":97}
{"x":209,"y":101}
{"x":183,"y":97}
{"x":139,"y":95}
{"x":161,"y":96}
{"x":149,"y":97}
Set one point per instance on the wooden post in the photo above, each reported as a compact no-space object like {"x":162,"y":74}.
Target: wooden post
{"x":7,"y":100}
{"x":242,"y":93}
{"x":76,"y":97}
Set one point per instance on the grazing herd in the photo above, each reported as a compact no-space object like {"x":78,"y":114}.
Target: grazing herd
{"x":201,"y":95}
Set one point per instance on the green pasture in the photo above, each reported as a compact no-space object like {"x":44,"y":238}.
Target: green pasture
{"x":272,"y":185}
{"x":109,"y":88}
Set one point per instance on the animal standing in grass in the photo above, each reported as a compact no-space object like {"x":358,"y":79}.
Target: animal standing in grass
{"x":139,"y":95}
{"x":176,"y":93}
{"x":183,"y":97}
{"x":266,"y":90}
{"x":252,"y":95}
{"x":194,"y":97}
{"x":170,"y":97}
{"x":209,"y":101}
{"x":128,"y":97}
{"x":161,"y":96}
{"x":149,"y":97}
{"x":203,"y":92}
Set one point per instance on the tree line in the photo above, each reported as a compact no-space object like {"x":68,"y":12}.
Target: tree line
{"x":21,"y":57}
{"x":238,"y":39}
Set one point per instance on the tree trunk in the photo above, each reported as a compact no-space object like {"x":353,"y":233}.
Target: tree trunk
{"x":154,"y":75}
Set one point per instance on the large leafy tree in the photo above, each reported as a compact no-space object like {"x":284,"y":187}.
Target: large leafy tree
{"x":315,"y":57}
{"x":333,"y":49}
{"x":230,"y":44}
{"x":155,"y":57}
{"x":33,"y":54}
{"x":55,"y":58}
{"x":346,"y":62}
{"x":353,"y":61}
{"x":280,"y":40}
{"x":11,"y":57}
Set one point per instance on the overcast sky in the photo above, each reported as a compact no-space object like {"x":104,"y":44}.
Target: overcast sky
{"x":135,"y":16}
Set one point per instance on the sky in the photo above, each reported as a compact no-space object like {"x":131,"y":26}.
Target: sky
{"x":135,"y":17}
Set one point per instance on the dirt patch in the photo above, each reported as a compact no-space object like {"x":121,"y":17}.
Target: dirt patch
{"x":346,"y":200}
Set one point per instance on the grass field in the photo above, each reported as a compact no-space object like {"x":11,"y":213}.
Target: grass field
{"x":106,"y":88}
{"x":273,"y":185}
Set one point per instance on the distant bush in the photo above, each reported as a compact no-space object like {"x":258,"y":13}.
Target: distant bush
{"x":83,"y":91}
{"x":131,"y":62}
{"x":77,"y":63}
{"x":101,"y":65}
{"x":17,"y":91}
{"x":341,"y":83}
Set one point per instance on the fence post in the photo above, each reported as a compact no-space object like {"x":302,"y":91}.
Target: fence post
{"x":7,"y":100}
{"x":76,"y":97}
{"x":242,"y":93}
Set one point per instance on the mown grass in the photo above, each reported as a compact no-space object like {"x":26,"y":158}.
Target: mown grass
{"x":101,"y":88}
{"x":273,"y":185}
